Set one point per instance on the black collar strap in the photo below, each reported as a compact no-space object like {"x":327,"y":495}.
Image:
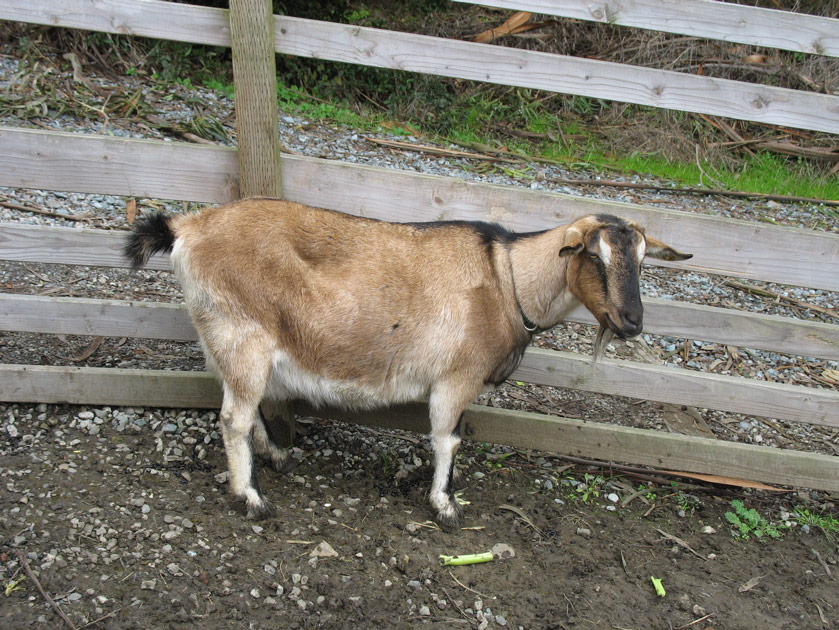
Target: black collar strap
{"x":529,"y":326}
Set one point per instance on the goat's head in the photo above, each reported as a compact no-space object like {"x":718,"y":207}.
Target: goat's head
{"x":605,"y":267}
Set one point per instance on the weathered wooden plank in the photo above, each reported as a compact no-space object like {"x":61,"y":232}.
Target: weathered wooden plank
{"x":680,"y":386}
{"x":108,"y":386}
{"x":558,"y":73}
{"x":61,"y":161}
{"x":710,"y":19}
{"x":457,"y":59}
{"x":69,"y":246}
{"x":119,"y":166}
{"x":104,"y":386}
{"x":142,"y":18}
{"x":84,"y":316}
{"x":119,"y":318}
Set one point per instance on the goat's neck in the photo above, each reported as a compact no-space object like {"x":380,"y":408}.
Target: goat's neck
{"x":540,"y":278}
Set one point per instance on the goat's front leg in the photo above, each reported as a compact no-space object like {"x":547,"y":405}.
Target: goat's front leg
{"x":446,"y":407}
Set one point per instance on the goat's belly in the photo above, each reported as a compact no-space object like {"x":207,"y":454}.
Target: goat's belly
{"x":290,"y":380}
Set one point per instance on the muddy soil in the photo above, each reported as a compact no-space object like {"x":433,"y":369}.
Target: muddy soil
{"x":123,"y":516}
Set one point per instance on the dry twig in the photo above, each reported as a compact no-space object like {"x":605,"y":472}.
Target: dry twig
{"x":25,"y":564}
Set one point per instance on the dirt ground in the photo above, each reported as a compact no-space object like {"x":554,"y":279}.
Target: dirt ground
{"x":123,"y":515}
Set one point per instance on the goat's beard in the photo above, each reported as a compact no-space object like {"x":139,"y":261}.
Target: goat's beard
{"x":601,"y":340}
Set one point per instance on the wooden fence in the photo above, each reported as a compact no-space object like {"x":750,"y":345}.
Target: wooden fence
{"x":171,"y":170}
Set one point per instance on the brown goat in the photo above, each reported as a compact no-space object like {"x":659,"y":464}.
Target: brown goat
{"x":298,"y":302}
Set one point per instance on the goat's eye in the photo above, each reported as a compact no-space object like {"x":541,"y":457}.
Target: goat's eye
{"x":594,"y":256}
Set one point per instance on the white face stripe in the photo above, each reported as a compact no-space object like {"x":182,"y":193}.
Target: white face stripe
{"x":642,"y":250}
{"x":605,"y":252}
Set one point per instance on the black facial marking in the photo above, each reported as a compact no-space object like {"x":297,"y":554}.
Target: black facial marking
{"x":395,"y":326}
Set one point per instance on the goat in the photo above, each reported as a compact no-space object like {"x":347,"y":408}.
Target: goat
{"x":291,"y":301}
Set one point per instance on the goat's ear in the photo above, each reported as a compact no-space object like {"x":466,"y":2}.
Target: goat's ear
{"x":657,"y":249}
{"x":572,"y":242}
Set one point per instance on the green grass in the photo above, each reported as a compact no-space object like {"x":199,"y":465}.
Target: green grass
{"x":828,"y":523}
{"x":472,"y":118}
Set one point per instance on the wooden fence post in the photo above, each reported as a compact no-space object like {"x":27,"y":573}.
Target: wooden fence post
{"x":257,"y":126}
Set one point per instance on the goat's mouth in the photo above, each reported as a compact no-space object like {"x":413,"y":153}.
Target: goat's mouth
{"x":622,"y":333}
{"x":607,"y":331}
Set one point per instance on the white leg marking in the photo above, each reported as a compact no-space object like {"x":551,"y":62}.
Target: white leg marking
{"x":444,"y":447}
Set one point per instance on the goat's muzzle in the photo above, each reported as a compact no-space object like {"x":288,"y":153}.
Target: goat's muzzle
{"x":630,"y":323}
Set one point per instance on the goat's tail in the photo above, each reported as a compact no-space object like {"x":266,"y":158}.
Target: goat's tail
{"x":151,"y":234}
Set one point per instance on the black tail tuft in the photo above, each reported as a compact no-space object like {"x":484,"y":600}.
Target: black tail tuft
{"x":151,"y":234}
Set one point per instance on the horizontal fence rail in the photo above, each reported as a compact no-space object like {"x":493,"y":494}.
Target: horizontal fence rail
{"x":709,"y":19}
{"x":450,"y":58}
{"x":153,"y":320}
{"x":554,"y":369}
{"x":107,"y":386}
{"x":175,"y":170}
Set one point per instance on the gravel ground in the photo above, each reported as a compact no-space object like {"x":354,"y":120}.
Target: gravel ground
{"x":122,"y":512}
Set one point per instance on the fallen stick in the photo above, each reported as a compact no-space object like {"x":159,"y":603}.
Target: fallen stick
{"x":734,"y":284}
{"x":679,"y":542}
{"x":25,"y":564}
{"x":425,"y":148}
{"x":48,"y":213}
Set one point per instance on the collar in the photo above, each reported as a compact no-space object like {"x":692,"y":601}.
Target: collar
{"x":529,"y":326}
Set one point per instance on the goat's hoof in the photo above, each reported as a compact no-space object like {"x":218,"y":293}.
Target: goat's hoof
{"x":282,"y":464}
{"x":256,"y":510}
{"x":449,"y":517}
{"x":261,"y":511}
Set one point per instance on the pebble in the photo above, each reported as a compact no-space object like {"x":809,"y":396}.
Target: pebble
{"x":324,"y":550}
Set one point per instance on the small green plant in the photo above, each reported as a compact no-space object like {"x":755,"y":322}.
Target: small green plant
{"x":13,"y":585}
{"x":748,"y":522}
{"x":388,"y":461}
{"x":495,"y":461}
{"x":358,"y":16}
{"x":688,"y":503}
{"x":828,"y":523}
{"x":220,"y":86}
{"x":589,"y":489}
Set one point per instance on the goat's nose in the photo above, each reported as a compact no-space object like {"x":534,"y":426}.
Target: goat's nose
{"x":632,"y":316}
{"x":633,"y":321}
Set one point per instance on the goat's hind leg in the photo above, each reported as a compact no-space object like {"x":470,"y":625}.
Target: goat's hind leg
{"x":239,"y":422}
{"x":267,"y":447}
